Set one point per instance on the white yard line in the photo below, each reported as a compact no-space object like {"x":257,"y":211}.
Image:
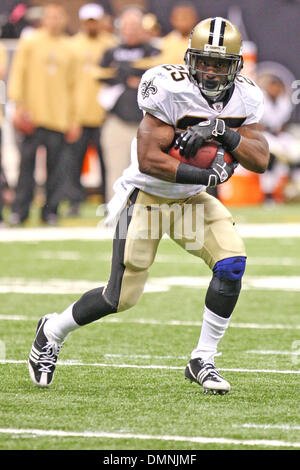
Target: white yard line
{"x":54,"y":234}
{"x":60,"y":255}
{"x":15,"y":318}
{"x":167,"y":259}
{"x":144,"y":356}
{"x":99,"y":364}
{"x":155,"y":284}
{"x":273,"y":353}
{"x":148,"y":321}
{"x":60,"y":286}
{"x":141,"y":366}
{"x":276,"y":230}
{"x":171,"y":438}
{"x":289,"y":283}
{"x":272,"y":261}
{"x":175,"y":259}
{"x":260,"y":326}
{"x":285,"y":427}
{"x":287,"y":230}
{"x":264,"y":371}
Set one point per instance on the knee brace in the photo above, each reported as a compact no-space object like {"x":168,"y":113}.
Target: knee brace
{"x":228,"y":274}
{"x":225,"y":285}
{"x":230,"y":269}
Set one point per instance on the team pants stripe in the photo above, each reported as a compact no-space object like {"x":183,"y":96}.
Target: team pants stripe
{"x":147,"y":218}
{"x":113,"y":288}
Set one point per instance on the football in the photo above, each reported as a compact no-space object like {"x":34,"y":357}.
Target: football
{"x":204,"y":156}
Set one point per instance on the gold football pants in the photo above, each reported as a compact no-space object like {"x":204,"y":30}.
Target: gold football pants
{"x":200,"y":224}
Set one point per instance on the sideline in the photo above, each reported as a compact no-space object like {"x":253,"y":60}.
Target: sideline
{"x":287,"y":230}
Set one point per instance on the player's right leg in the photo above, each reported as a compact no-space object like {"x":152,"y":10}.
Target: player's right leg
{"x":134,"y":250}
{"x":221,"y":247}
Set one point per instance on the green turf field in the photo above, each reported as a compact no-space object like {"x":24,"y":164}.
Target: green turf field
{"x":120,"y":384}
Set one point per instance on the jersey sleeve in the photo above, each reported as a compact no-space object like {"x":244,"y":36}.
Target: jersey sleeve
{"x":254,"y":102}
{"x":154,"y":98}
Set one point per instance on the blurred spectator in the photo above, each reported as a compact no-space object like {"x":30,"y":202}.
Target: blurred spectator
{"x":152,"y":29}
{"x":118,"y":6}
{"x":12,"y":18}
{"x":275,"y":81}
{"x":174,"y":45}
{"x":6,"y":6}
{"x":107,"y":23}
{"x":120,"y":96}
{"x":88,"y":46}
{"x":33,"y":17}
{"x":41,"y":84}
{"x":3,"y":64}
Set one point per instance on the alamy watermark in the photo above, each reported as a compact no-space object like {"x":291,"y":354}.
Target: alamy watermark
{"x":183,"y":223}
{"x":295,"y":96}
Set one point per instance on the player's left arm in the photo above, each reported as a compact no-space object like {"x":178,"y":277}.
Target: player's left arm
{"x":253,"y":149}
{"x":248,"y":146}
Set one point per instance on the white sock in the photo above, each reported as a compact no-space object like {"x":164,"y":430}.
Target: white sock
{"x":213,"y":329}
{"x":59,"y":326}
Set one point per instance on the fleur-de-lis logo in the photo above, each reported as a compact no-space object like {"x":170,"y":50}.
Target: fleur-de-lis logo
{"x":147,"y":87}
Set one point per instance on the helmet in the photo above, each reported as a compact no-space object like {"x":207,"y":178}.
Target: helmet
{"x":214,"y":38}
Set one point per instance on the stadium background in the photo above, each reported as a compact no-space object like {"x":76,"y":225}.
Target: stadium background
{"x":263,"y":24}
{"x":120,"y":384}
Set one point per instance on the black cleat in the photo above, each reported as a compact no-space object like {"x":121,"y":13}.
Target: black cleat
{"x":206,"y":374}
{"x":43,"y":356}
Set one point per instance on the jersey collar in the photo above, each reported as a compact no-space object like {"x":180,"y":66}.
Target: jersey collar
{"x":220,"y":101}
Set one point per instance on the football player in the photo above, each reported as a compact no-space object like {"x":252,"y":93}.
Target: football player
{"x":204,"y":99}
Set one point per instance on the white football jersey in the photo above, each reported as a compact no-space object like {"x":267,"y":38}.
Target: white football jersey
{"x":167,"y":93}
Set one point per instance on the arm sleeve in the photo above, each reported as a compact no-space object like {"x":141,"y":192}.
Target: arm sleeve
{"x":255,"y":106}
{"x":17,"y":77}
{"x":154,"y":99}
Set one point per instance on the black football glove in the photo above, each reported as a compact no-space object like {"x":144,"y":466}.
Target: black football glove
{"x":220,"y":170}
{"x":194,"y":137}
{"x":218,"y":173}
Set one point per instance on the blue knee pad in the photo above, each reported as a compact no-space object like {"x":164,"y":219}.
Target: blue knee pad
{"x":230,"y":269}
{"x":225,"y":286}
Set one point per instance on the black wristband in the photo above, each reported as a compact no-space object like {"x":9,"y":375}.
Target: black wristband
{"x":188,"y":174}
{"x":230,"y":140}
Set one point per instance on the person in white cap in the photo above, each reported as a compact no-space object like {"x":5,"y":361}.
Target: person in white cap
{"x":91,"y":11}
{"x":88,"y":45}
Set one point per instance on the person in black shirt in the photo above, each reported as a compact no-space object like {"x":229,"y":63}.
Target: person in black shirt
{"x":119,"y":96}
